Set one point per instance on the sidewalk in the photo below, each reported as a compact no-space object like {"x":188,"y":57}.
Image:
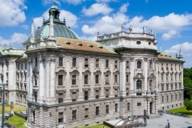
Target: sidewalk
{"x":175,"y":122}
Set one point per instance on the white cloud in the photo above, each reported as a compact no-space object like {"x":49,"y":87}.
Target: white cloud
{"x":71,"y":19}
{"x":169,"y":35}
{"x":170,"y":22}
{"x":106,"y":24}
{"x":15,"y":40}
{"x":167,"y":26}
{"x":97,"y":8}
{"x":74,"y":2}
{"x":105,"y":1}
{"x":12,"y":12}
{"x":123,"y":8}
{"x":185,"y":48}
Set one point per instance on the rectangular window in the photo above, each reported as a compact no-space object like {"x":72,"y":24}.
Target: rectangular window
{"x":116,"y":79}
{"x":86,"y":95}
{"x":127,"y":78}
{"x":162,"y":87}
{"x":60,"y":79}
{"x":74,"y":114}
{"x":116,"y":107}
{"x":107,"y":109}
{"x":60,"y":100}
{"x":86,"y":63}
{"x":86,"y":79}
{"x":97,"y":96}
{"x":97,"y":79}
{"x":97,"y":111}
{"x":139,"y":104}
{"x":127,"y":64}
{"x":128,"y":106}
{"x":60,"y":61}
{"x":86,"y":113}
{"x":116,"y":64}
{"x":107,"y":64}
{"x":74,"y":79}
{"x":107,"y":79}
{"x":74,"y":62}
{"x":97,"y":63}
{"x":60,"y":117}
{"x":36,"y":61}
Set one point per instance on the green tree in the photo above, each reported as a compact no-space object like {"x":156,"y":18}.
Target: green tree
{"x":188,"y":83}
{"x":188,"y":104}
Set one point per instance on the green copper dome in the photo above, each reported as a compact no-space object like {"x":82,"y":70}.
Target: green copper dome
{"x":59,"y":27}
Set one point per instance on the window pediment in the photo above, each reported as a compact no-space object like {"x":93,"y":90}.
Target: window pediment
{"x":87,"y":72}
{"x":74,"y":72}
{"x":60,"y":71}
{"x":108,"y":72}
{"x":116,"y":72}
{"x":97,"y":72}
{"x":139,"y":76}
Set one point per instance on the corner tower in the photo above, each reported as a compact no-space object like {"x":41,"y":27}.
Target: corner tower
{"x":41,"y":49}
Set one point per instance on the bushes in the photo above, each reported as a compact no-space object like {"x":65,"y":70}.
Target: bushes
{"x":188,"y":104}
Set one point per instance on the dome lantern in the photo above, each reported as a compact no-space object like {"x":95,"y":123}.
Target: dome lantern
{"x":54,"y":11}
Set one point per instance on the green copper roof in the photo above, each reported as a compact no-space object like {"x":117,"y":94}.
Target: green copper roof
{"x":59,"y":27}
{"x":60,"y":30}
{"x":11,"y":52}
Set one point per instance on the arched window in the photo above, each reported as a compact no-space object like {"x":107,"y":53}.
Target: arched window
{"x":138,"y":64}
{"x":139,"y":84}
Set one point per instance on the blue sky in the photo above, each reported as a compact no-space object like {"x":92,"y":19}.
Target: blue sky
{"x":171,"y":20}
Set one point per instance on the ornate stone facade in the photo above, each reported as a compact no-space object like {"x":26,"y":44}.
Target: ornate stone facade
{"x":13,"y":75}
{"x":73,"y":82}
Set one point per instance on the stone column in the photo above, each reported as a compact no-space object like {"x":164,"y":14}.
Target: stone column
{"x":145,"y":73}
{"x":122,"y":87}
{"x":132,"y":67}
{"x":41,"y":80}
{"x":122,"y":78}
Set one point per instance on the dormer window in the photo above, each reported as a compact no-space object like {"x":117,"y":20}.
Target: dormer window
{"x":138,"y":42}
{"x":139,"y":63}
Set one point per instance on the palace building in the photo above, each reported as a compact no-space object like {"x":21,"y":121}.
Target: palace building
{"x":73,"y":82}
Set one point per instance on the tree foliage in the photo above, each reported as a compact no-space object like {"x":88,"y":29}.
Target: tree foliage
{"x":188,"y":83}
{"x":188,"y":104}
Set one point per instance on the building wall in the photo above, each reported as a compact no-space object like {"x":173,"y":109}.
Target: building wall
{"x":21,"y":82}
{"x":170,"y":74}
{"x":63,"y":99}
